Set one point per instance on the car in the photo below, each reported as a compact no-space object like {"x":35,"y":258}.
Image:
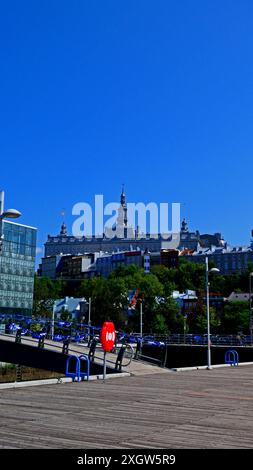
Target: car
{"x":152,"y":341}
{"x":24,"y":331}
{"x":58,"y":337}
{"x":38,"y":334}
{"x":78,"y":338}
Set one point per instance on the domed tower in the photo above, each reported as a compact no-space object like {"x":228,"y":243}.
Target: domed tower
{"x":123,"y":205}
{"x":184,"y":226}
{"x":123,"y":210}
{"x":64,"y":231}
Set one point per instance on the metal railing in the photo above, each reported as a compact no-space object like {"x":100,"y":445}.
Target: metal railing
{"x":125,"y":353}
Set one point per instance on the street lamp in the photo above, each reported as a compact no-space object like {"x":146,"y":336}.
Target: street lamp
{"x":8,"y":214}
{"x":213,"y":270}
{"x":250,"y":308}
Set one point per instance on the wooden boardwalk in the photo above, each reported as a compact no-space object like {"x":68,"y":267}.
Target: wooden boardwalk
{"x":191,"y":409}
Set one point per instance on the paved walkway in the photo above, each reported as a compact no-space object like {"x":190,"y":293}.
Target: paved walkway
{"x":191,"y":409}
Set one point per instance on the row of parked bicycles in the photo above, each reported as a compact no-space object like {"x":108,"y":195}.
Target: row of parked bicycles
{"x":80,"y":333}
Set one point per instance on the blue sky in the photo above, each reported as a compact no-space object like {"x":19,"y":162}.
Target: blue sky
{"x":155,"y":94}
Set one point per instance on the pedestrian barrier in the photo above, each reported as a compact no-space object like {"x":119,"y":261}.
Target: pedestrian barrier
{"x":232,"y":357}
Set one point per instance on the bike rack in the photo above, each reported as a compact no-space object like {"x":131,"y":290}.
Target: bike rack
{"x":86,"y":374}
{"x":78,"y":375}
{"x":231,"y":357}
{"x":74,"y":375}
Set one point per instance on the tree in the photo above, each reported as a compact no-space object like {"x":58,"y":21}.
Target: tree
{"x":65,"y":315}
{"x":45,"y":292}
{"x":109,"y":297}
{"x":235,"y":318}
{"x":201,"y":321}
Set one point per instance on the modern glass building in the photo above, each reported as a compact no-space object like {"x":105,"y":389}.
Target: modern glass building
{"x":17,"y":266}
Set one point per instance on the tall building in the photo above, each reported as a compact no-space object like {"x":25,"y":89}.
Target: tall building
{"x":17,"y":267}
{"x":228,"y":260}
{"x":194,"y":240}
{"x":66,"y":244}
{"x":131,"y":240}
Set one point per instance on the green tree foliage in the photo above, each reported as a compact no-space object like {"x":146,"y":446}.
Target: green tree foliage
{"x":236,"y":318}
{"x":45,"y":292}
{"x":65,"y":315}
{"x":160,"y":312}
{"x":201,"y":321}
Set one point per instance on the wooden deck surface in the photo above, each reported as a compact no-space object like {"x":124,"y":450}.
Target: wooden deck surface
{"x":191,"y":409}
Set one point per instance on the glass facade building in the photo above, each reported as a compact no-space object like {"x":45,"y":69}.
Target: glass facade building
{"x":17,"y":267}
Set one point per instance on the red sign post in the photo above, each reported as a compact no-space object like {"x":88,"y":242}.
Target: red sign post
{"x":107,"y":338}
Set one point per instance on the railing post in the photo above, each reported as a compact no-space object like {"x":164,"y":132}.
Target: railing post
{"x":41,"y":342}
{"x":118,"y":363}
{"x":18,"y":336}
{"x":165,"y":355}
{"x":92,"y":350}
{"x":65,"y":346}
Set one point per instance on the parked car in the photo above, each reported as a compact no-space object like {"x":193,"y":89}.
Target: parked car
{"x":38,"y":334}
{"x":152,"y":341}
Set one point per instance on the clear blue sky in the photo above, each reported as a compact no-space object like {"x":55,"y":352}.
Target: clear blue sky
{"x":155,"y":94}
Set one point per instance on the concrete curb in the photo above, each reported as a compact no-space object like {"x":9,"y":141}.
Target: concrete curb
{"x":33,"y":383}
{"x":112,"y":376}
{"x":63,"y":380}
{"x":215,"y":366}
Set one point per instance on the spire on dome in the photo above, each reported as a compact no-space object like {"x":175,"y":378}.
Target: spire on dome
{"x":64,"y":231}
{"x":184,"y":226}
{"x":123,"y":196}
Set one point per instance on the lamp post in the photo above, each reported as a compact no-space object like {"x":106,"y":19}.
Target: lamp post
{"x":89,"y":319}
{"x":53,"y":320}
{"x":213,"y":270}
{"x":6,"y":214}
{"x":250,"y":308}
{"x":185,"y":318}
{"x":141,"y":319}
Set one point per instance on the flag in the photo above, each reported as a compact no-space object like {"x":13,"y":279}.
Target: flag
{"x":133,"y":296}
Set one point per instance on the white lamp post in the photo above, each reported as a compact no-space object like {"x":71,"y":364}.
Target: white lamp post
{"x":213,"y":270}
{"x":8,"y":214}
